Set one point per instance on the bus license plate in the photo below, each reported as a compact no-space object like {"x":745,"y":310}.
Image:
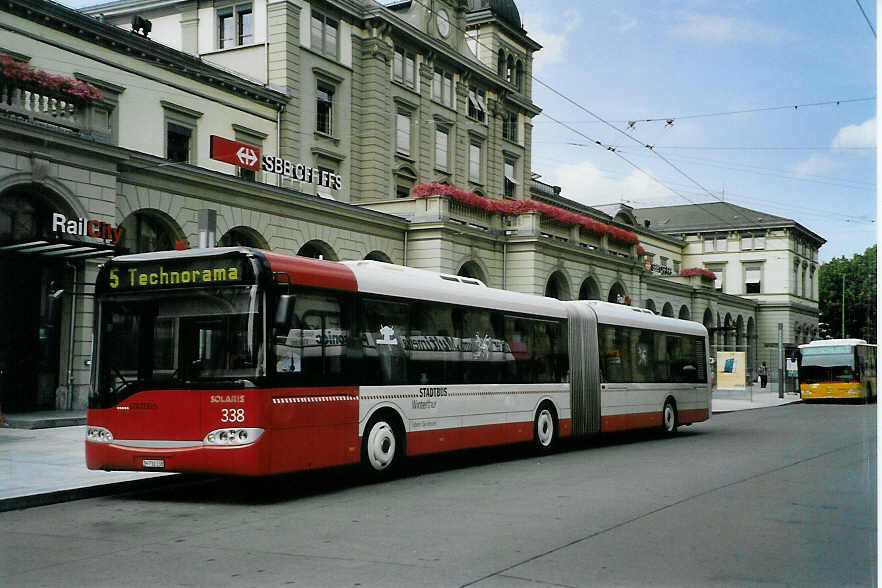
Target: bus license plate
{"x":153,"y":463}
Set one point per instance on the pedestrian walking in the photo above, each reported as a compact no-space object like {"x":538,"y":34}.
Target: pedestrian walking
{"x":764,"y":375}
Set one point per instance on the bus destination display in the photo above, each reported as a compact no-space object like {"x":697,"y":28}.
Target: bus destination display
{"x":220,"y":271}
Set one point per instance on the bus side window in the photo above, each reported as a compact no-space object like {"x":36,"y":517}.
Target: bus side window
{"x":433,"y":345}
{"x":385,"y":327}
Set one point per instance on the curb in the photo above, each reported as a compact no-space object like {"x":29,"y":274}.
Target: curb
{"x":69,"y":495}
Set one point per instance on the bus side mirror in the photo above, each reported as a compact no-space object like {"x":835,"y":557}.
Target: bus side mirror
{"x":284,"y":310}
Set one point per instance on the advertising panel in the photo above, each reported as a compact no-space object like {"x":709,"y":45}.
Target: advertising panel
{"x":731,"y":369}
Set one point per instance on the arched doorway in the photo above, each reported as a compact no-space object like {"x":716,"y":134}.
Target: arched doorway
{"x":378,"y":256}
{"x":243,"y":237}
{"x":557,"y":286}
{"x":589,"y":290}
{"x":650,"y":305}
{"x":30,"y":325}
{"x":317,"y":250}
{"x":668,"y":310}
{"x":684,"y":313}
{"x":616,"y":294}
{"x":471,"y":269}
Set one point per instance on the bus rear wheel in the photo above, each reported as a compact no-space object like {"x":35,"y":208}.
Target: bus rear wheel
{"x":382,"y":446}
{"x":545,"y":428}
{"x":669,"y":417}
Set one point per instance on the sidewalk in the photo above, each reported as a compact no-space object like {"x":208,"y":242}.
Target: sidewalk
{"x":42,"y":458}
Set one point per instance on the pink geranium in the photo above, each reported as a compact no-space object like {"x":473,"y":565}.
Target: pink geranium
{"x":513,"y":207}
{"x":26,"y":75}
{"x":698,"y":271}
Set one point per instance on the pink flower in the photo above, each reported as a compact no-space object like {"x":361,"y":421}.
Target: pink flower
{"x":23,"y":73}
{"x":513,"y":207}
{"x":698,"y":271}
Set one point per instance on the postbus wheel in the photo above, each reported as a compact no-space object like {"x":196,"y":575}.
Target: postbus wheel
{"x":545,"y":428}
{"x":669,"y":417}
{"x":382,"y":445}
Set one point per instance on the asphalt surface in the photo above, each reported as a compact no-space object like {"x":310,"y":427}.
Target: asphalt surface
{"x":774,"y":496}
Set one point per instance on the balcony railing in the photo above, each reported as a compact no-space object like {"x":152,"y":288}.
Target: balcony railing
{"x":49,"y":109}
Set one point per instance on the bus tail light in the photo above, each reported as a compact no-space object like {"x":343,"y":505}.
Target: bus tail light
{"x":98,"y":435}
{"x":238,"y":436}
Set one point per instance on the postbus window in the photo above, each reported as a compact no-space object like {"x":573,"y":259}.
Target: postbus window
{"x":384,"y":332}
{"x":434,"y":345}
{"x":313,"y":347}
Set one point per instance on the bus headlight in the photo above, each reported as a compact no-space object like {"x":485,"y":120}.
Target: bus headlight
{"x":98,"y":435}
{"x":237,"y":436}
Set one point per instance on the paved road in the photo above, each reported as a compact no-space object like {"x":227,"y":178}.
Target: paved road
{"x":773,"y":496}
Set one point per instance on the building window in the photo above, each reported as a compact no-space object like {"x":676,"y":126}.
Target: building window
{"x":509,"y":70}
{"x":324,"y":108}
{"x":759,"y":241}
{"x":235,"y":26}
{"x":475,"y":162}
{"x":500,"y":63}
{"x":442,"y":87}
{"x":404,"y":68}
{"x":722,"y":243}
{"x":676,"y":268}
{"x":510,"y":183}
{"x":402,"y":132}
{"x":180,"y":132}
{"x":746,"y":242}
{"x":510,"y":126}
{"x":519,"y":76}
{"x":477,"y":104}
{"x":324,"y":34}
{"x":441,"y":147}
{"x":719,"y":272}
{"x":753,"y":279}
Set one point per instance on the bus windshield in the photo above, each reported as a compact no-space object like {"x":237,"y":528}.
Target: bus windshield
{"x":827,"y":364}
{"x":199,"y":337}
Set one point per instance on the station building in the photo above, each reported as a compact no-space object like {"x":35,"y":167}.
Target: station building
{"x":400,"y":133}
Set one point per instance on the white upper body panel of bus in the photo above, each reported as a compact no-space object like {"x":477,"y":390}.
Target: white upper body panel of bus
{"x":833,"y":342}
{"x":619,"y":314}
{"x":375,"y":277}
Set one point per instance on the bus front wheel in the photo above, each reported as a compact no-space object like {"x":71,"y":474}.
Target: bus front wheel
{"x":382,"y":446}
{"x":669,"y":417}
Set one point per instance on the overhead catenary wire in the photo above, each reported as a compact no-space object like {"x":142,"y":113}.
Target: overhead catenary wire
{"x":866,"y":18}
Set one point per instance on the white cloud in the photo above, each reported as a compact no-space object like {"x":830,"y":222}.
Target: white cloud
{"x":552,"y":42}
{"x":584,"y":182}
{"x":816,"y":165}
{"x":713,"y":28}
{"x":862,"y":135}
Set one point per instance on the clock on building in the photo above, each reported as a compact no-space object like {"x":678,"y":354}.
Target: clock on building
{"x":443,"y":23}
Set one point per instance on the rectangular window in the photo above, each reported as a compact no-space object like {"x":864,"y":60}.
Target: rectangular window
{"x":324,"y":34}
{"x":442,"y":87}
{"x":746,"y":242}
{"x":441,"y":146}
{"x":510,"y":126}
{"x":402,"y":132}
{"x":708,"y":244}
{"x":312,"y":348}
{"x":384,"y":333}
{"x":235,"y":26}
{"x":629,"y":354}
{"x":676,"y":268}
{"x":759,"y":242}
{"x":324,"y":108}
{"x":477,"y":107}
{"x":509,"y":180}
{"x":719,"y":273}
{"x":404,"y":68}
{"x":752,"y":279}
{"x":475,"y":162}
{"x":722,"y":243}
{"x":177,"y":143}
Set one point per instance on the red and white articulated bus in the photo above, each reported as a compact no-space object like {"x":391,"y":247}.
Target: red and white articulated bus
{"x":241,"y":361}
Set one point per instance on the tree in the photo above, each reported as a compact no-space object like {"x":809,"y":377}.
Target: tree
{"x":858,"y":274}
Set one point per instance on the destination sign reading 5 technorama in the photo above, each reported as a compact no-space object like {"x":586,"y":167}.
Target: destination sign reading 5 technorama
{"x":212,"y":271}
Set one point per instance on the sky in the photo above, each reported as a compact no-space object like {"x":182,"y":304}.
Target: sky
{"x":795,"y":154}
{"x":803,"y":70}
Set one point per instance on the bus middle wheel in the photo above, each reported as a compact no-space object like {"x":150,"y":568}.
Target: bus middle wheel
{"x":669,"y":417}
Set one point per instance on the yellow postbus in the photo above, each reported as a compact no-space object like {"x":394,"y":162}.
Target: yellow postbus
{"x":837,"y":368}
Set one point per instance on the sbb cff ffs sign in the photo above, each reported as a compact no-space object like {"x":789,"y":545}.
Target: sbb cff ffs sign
{"x":241,"y":154}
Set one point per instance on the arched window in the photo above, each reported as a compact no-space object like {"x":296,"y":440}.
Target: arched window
{"x":650,"y":305}
{"x":509,"y":69}
{"x":500,"y":63}
{"x":242,"y":237}
{"x":317,"y":250}
{"x":684,"y":313}
{"x":668,"y":310}
{"x":471,"y":269}
{"x":557,"y":286}
{"x":616,"y":294}
{"x":519,"y":75}
{"x":589,"y":290}
{"x":144,"y":232}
